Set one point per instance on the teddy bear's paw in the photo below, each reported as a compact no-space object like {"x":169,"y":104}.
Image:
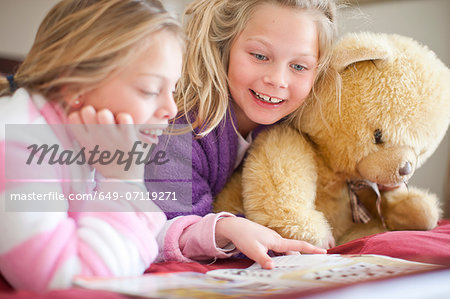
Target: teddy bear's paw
{"x":318,"y":239}
{"x":415,"y":209}
{"x":313,"y":229}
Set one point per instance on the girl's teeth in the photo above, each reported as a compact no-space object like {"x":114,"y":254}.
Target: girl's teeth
{"x":157,"y":132}
{"x":267,"y":98}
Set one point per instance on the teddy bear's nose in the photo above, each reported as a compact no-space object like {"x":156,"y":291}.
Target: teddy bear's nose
{"x":406,"y":169}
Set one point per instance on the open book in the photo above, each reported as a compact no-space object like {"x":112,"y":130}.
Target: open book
{"x":291,"y":273}
{"x":312,"y":270}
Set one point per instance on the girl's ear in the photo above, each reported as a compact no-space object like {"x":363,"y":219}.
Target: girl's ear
{"x":357,"y":47}
{"x":71,"y":99}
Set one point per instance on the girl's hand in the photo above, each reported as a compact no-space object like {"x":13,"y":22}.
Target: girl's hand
{"x":100,"y":128}
{"x":254,"y":240}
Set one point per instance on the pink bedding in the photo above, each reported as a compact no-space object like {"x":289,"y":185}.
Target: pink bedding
{"x":425,"y":246}
{"x":422,"y":246}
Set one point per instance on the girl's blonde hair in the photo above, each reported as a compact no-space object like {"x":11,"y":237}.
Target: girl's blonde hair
{"x":211,"y":29}
{"x":80,"y":42}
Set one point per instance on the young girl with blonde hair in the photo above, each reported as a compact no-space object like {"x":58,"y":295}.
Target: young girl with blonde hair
{"x":214,"y":32}
{"x":100,"y":75}
{"x":248,"y":63}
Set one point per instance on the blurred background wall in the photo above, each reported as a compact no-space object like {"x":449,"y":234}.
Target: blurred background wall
{"x":427,"y":21}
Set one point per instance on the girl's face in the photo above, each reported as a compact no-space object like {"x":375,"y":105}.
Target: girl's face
{"x":144,"y":89}
{"x":272,"y":65}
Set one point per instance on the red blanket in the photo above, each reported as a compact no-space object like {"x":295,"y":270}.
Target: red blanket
{"x":425,"y":246}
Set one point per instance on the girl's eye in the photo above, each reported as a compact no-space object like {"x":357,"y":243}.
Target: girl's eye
{"x":259,"y":56}
{"x":297,"y":67}
{"x":149,"y":93}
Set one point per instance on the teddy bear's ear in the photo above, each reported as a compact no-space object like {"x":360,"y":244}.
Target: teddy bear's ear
{"x":357,"y":47}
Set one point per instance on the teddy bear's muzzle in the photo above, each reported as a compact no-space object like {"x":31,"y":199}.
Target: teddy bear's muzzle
{"x":388,"y":167}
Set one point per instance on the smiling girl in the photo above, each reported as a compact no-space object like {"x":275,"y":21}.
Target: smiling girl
{"x":248,"y":63}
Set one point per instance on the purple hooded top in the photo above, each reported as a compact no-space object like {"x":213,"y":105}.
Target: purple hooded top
{"x":213,"y":160}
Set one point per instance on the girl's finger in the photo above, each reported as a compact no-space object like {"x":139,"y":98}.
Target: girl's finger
{"x":74,"y":118}
{"x":105,"y":117}
{"x":292,"y":253}
{"x":77,"y":126}
{"x":88,"y":115}
{"x":285,"y":245}
{"x":126,"y":124}
{"x":259,"y":254}
{"x":264,"y":261}
{"x":106,"y":126}
{"x":124,"y":119}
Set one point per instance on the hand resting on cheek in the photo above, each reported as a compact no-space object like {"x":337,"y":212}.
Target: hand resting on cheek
{"x":110,"y":133}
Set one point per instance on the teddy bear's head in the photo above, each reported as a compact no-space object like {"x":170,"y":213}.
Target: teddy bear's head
{"x":393,"y":109}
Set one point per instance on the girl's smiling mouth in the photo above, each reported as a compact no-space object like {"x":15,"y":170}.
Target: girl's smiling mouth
{"x":266,"y":98}
{"x":151,"y":134}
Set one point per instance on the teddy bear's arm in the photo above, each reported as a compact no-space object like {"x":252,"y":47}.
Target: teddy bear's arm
{"x":279,"y":186}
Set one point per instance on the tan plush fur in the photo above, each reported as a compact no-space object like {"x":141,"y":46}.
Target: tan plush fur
{"x":294,"y":179}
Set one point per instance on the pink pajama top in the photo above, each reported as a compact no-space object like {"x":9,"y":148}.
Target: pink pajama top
{"x":45,"y":250}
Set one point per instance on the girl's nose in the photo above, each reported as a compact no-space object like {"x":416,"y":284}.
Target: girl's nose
{"x":276,"y":76}
{"x":168,"y":108}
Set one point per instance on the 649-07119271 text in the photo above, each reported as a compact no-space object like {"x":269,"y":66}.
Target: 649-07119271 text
{"x":97,"y":195}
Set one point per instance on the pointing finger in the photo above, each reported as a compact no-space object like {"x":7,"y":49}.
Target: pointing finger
{"x":285,"y":245}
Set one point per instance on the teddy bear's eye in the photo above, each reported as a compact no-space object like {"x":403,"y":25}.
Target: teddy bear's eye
{"x":378,"y":135}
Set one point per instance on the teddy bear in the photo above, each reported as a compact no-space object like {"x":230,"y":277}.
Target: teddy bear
{"x":338,"y":169}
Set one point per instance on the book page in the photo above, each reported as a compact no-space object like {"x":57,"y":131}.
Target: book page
{"x":314,"y":270}
{"x":177,"y":285}
{"x":295,"y":272}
